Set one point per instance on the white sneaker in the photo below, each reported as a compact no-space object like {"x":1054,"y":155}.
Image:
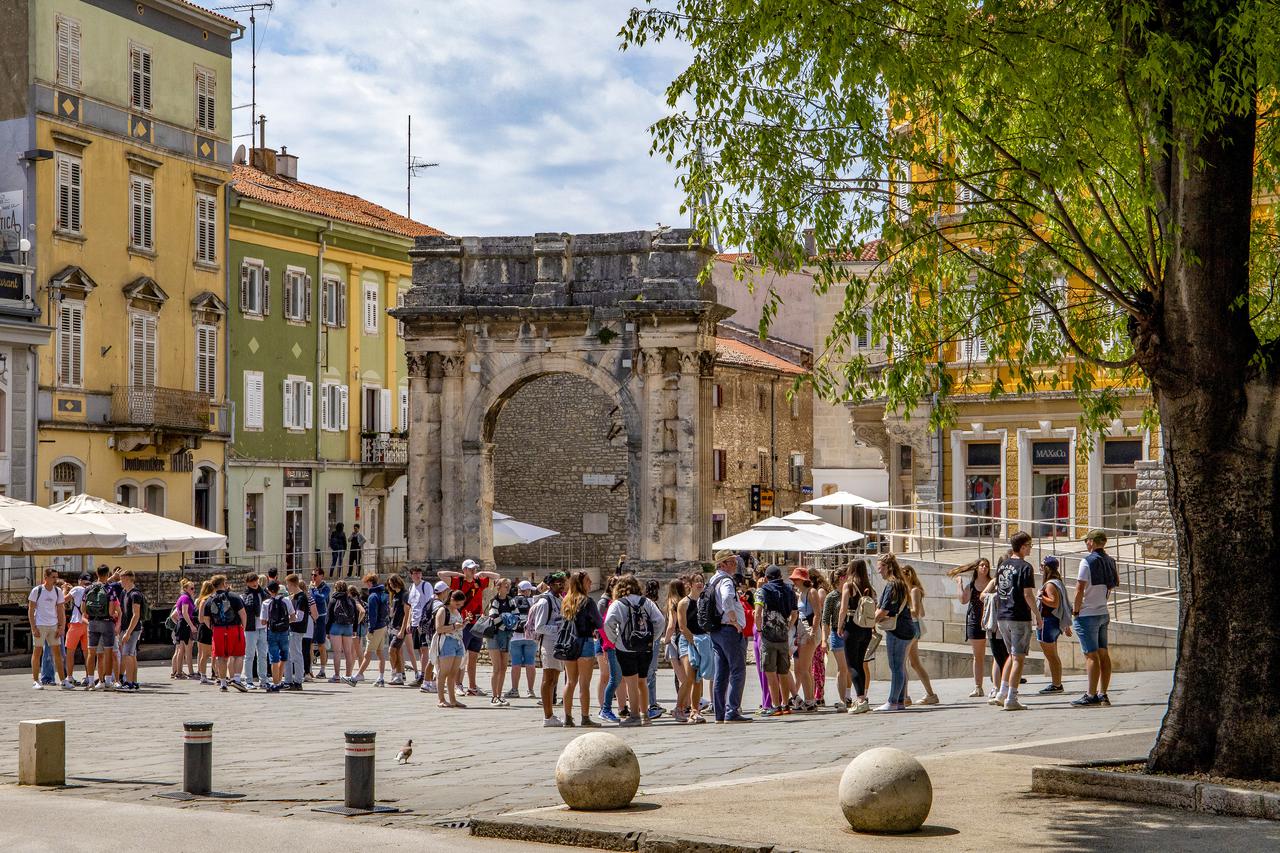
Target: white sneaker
{"x":840,"y":707}
{"x":99,"y":686}
{"x":995,"y":699}
{"x":552,"y":723}
{"x":1014,"y":705}
{"x":68,"y":684}
{"x":359,"y":676}
{"x":931,"y":699}
{"x":36,"y":685}
{"x":528,"y":694}
{"x":977,"y":693}
{"x":397,"y":680}
{"x":429,"y":686}
{"x":379,"y":683}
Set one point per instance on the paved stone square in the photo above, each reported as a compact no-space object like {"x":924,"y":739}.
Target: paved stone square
{"x":284,"y":751}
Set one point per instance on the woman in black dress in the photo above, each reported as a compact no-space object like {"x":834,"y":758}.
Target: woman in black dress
{"x":971,"y":579}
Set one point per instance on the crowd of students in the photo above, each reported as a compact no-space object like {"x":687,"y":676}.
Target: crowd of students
{"x":275,"y":635}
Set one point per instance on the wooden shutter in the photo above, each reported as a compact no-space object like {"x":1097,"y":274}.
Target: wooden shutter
{"x":343,"y":407}
{"x":404,"y":409}
{"x":290,"y":294}
{"x":309,"y":404}
{"x":69,"y":189}
{"x":244,"y":286}
{"x":264,"y":304}
{"x":342,"y":304}
{"x":207,"y":229}
{"x":141,"y":212}
{"x":70,"y":343}
{"x":142,"y":350}
{"x":325,"y":389}
{"x":288,"y":404}
{"x":306,"y":296}
{"x":252,"y":399}
{"x":371,"y":308}
{"x":207,"y":360}
{"x":68,"y":40}
{"x":140,"y":78}
{"x":206,"y":98}
{"x":400,"y":323}
{"x":384,"y":410}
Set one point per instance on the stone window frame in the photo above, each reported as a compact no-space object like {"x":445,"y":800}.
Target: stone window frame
{"x":1093,"y":468}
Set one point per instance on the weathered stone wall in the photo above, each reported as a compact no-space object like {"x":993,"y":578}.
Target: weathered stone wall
{"x":1153,"y":511}
{"x":743,"y":427}
{"x":554,"y":431}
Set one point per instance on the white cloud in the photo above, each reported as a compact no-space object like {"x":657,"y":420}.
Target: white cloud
{"x":538,"y":121}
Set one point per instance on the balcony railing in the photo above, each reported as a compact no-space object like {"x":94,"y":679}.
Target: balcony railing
{"x":388,"y":449}
{"x":153,"y":406}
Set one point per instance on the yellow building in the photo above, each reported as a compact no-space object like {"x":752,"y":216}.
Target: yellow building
{"x":131,"y":156}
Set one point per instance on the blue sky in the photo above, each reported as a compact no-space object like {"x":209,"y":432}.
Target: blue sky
{"x":537,"y":120}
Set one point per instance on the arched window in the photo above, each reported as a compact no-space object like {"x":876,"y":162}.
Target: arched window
{"x":67,"y":480}
{"x":127,"y":495}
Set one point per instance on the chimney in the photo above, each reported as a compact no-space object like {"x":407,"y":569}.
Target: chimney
{"x":263,"y":159}
{"x":287,"y":164}
{"x":810,"y":245}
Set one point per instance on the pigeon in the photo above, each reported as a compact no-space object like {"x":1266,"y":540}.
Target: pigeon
{"x":405,"y":752}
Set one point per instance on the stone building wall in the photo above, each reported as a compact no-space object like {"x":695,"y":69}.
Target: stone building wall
{"x":749,"y":400}
{"x":554,"y":431}
{"x":1153,"y":511}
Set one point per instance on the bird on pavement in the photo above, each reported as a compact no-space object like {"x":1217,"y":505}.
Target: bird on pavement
{"x":405,"y":752}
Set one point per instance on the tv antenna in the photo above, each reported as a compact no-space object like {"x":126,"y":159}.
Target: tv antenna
{"x":252,"y":9}
{"x":413,"y":165}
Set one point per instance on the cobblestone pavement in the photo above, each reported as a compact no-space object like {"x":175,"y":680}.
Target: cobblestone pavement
{"x":284,"y":751}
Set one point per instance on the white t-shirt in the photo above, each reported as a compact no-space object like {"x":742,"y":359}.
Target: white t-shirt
{"x":47,"y":603}
{"x":77,"y":602}
{"x":1095,"y":596}
{"x":419,"y":595}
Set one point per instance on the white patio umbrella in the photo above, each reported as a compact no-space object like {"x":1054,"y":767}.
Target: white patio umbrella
{"x":508,"y":531}
{"x":36,"y":530}
{"x":838,"y":535}
{"x":774,"y":534}
{"x":838,"y":499}
{"x":145,"y":532}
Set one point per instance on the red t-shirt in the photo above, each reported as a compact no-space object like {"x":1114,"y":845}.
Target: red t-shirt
{"x":474,"y":591}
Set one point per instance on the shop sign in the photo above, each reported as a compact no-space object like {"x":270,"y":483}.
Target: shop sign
{"x":1051,"y":454}
{"x":297,"y":478}
{"x":766,"y":498}
{"x":155,"y":463}
{"x":1123,"y":452}
{"x":983,"y":454}
{"x":11,"y":214}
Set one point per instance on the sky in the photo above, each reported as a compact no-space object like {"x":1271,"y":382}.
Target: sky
{"x":537,"y":120}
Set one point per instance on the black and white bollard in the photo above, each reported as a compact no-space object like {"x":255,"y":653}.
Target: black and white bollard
{"x":197,"y":758}
{"x":357,"y":794}
{"x":197,"y":764}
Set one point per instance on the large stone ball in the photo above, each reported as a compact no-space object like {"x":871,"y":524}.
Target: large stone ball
{"x":597,"y":771}
{"x":885,"y":790}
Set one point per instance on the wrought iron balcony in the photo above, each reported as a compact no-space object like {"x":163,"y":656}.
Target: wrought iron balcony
{"x":387,"y":449}
{"x":165,"y":408}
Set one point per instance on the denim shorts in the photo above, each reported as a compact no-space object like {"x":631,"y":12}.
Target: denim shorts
{"x":341,"y":631}
{"x":450,"y":647}
{"x":1092,"y":631}
{"x":499,"y":642}
{"x":523,"y":652}
{"x":1051,"y":630}
{"x":835,"y":642}
{"x":277,"y":646}
{"x":590,"y":648}
{"x":129,"y":647}
{"x":102,"y":634}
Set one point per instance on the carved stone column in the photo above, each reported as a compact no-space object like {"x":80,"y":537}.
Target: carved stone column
{"x":651,"y":431}
{"x":705,"y":446}
{"x":452,"y":510}
{"x":477,"y":525}
{"x":424,"y":458}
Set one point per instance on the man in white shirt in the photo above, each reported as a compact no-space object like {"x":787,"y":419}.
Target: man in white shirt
{"x":420,"y":592}
{"x":1095,"y":580}
{"x":45,"y":613}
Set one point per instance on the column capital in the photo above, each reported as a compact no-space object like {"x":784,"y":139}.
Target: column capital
{"x":651,"y":361}
{"x":419,"y":364}
{"x":451,"y":365}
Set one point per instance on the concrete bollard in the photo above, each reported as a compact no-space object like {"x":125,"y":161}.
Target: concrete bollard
{"x":42,"y":752}
{"x":357,"y":792}
{"x":197,"y":758}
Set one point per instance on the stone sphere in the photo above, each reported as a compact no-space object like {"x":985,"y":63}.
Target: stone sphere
{"x":885,"y":790}
{"x":597,"y":771}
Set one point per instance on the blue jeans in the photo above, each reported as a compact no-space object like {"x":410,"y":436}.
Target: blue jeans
{"x":653,"y":675}
{"x":897,"y":667}
{"x":47,"y":672}
{"x":255,"y":646}
{"x":615,"y":678}
{"x":731,"y":672}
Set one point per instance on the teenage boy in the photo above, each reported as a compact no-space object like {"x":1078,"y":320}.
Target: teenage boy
{"x":775,"y":617}
{"x":1094,"y":582}
{"x":134,"y":607}
{"x":419,"y":594}
{"x":544,"y":623}
{"x":255,"y":632}
{"x":321,"y":592}
{"x":77,"y":626}
{"x":1016,"y":607}
{"x":378,"y":606}
{"x":224,"y":613}
{"x":472,"y":583}
{"x":304,"y":614}
{"x":278,"y":614}
{"x":102,"y":609}
{"x":46,"y":615}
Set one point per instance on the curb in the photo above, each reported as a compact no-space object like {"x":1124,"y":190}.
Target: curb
{"x":600,"y":838}
{"x":1205,"y":797}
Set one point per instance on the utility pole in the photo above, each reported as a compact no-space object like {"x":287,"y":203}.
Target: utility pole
{"x":412,"y":165}
{"x":252,"y":9}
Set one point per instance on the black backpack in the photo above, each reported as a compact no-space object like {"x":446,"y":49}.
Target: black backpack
{"x":343,"y":610}
{"x":221,"y":613}
{"x":709,"y":616}
{"x":277,"y":614}
{"x":637,"y":631}
{"x":427,"y":622}
{"x":568,"y":643}
{"x":300,"y":604}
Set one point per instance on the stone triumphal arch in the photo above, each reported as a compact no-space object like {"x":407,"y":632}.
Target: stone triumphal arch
{"x":625,"y":312}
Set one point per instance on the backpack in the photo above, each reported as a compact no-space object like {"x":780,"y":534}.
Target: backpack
{"x":637,"y":630}
{"x":144,"y":612}
{"x":277,"y":615}
{"x":221,"y":613}
{"x":427,"y":622}
{"x":171,"y":621}
{"x":776,"y":628}
{"x":343,"y":610}
{"x":97,"y":602}
{"x":568,"y":644}
{"x":864,"y":613}
{"x":709,"y":616}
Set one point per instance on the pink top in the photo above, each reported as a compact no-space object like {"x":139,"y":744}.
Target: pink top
{"x":186,"y":607}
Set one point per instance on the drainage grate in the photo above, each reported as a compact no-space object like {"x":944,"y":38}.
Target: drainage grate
{"x":455,"y":823}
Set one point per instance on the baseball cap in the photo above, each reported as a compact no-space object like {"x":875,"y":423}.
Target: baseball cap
{"x":470,"y":564}
{"x":773,"y":572}
{"x":440,"y":586}
{"x":1050,"y":561}
{"x":85,"y":576}
{"x":524,"y":586}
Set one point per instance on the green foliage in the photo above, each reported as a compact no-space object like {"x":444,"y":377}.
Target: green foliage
{"x":1016,"y":157}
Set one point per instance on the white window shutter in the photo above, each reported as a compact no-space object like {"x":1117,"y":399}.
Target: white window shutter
{"x":400,"y":323}
{"x":306,"y":295}
{"x":343,"y":398}
{"x":288,"y":404}
{"x":371,"y":309}
{"x":310,"y":405}
{"x":253,"y":387}
{"x":404,"y":409}
{"x":324,"y":406}
{"x":384,"y":414}
{"x":290,"y":286}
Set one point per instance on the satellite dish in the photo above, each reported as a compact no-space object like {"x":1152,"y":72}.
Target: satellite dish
{"x":239,"y":159}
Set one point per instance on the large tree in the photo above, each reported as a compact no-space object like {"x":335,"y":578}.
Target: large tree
{"x":1126,"y":147}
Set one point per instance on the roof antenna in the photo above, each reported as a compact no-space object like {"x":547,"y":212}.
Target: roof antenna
{"x":412,"y":166}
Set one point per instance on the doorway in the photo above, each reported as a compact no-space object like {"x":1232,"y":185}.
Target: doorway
{"x":202,"y":507}
{"x":295,"y":532}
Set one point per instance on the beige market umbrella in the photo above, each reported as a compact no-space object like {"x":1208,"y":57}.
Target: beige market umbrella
{"x":145,"y":532}
{"x":36,"y":530}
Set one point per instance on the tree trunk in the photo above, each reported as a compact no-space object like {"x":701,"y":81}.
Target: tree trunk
{"x":1220,"y":411}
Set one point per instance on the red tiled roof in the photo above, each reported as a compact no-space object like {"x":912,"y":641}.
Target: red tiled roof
{"x":211,"y":13}
{"x":309,"y":198}
{"x":740,"y":354}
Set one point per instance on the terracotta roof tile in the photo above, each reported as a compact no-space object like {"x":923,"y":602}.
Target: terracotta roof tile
{"x":741,"y":354}
{"x":211,"y":13}
{"x":320,"y":201}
